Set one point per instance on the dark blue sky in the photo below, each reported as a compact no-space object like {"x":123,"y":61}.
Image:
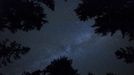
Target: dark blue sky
{"x":65,"y":35}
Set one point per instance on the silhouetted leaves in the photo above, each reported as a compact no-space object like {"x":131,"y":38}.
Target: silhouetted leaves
{"x":61,"y":66}
{"x":90,"y":73}
{"x":126,"y":54}
{"x":111,"y":73}
{"x":11,"y":50}
{"x":23,"y":14}
{"x":49,"y":3}
{"x":110,"y":15}
{"x":38,"y":72}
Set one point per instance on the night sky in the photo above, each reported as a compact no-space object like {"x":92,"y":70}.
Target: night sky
{"x":66,"y":35}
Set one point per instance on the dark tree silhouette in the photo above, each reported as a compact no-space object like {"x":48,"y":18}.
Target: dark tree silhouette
{"x":110,"y":73}
{"x":49,"y":3}
{"x":90,"y":73}
{"x":38,"y":72}
{"x":23,"y":14}
{"x":109,"y":15}
{"x":11,"y":50}
{"x":126,"y":54}
{"x":61,"y":66}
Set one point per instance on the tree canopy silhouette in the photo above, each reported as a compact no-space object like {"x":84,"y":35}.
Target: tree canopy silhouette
{"x":126,"y":54}
{"x":110,"y":73}
{"x":23,"y":14}
{"x":90,"y":73}
{"x":11,"y":50}
{"x":61,"y":66}
{"x":109,"y":15}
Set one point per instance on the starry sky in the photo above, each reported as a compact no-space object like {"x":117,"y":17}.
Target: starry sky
{"x":66,"y":35}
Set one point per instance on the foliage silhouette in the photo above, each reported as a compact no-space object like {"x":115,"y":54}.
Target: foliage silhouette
{"x":38,"y":72}
{"x":61,"y":66}
{"x":49,"y":3}
{"x":11,"y":50}
{"x":23,"y":15}
{"x":90,"y":73}
{"x":109,"y":15}
{"x":110,"y":73}
{"x":126,"y":54}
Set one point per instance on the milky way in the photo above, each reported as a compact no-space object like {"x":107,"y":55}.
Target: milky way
{"x":67,"y":36}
